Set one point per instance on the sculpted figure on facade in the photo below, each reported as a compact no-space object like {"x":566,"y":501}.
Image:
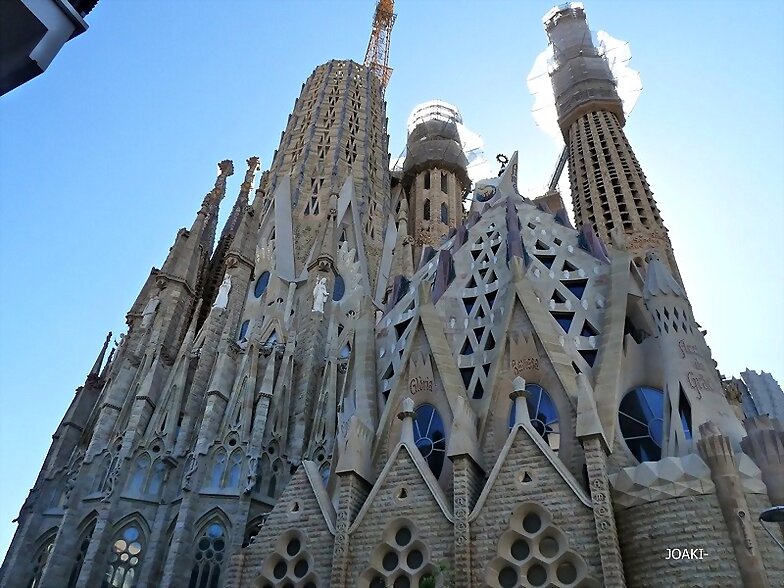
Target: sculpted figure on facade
{"x":320,"y":295}
{"x":149,"y":310}
{"x":222,"y":299}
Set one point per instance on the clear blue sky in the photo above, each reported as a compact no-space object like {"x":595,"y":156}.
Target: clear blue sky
{"x":109,"y":152}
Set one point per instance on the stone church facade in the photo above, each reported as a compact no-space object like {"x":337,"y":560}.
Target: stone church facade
{"x":361,"y":384}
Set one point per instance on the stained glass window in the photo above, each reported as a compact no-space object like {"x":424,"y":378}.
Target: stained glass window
{"x":261,"y":284}
{"x":641,"y":417}
{"x":430,"y":437}
{"x":126,"y":553}
{"x":39,"y":562}
{"x":209,"y":555}
{"x":339,"y":289}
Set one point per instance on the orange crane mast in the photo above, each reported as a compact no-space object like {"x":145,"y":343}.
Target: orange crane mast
{"x":377,"y":56}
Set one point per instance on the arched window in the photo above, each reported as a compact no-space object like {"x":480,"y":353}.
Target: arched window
{"x":235,"y":469}
{"x":544,"y":416}
{"x":102,"y":473}
{"x":426,"y":214}
{"x":243,"y":330}
{"x":126,"y":553}
{"x":40,"y":559}
{"x":444,"y":213}
{"x":339,"y":289}
{"x":430,"y":437}
{"x":218,"y":467}
{"x":444,"y":184}
{"x":155,"y":483}
{"x":427,"y":180}
{"x":209,"y":555}
{"x":140,"y":468}
{"x":641,"y":417}
{"x":84,"y":543}
{"x":261,"y":284}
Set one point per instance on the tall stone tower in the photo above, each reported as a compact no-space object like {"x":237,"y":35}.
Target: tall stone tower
{"x":434,"y":174}
{"x":609,"y":189}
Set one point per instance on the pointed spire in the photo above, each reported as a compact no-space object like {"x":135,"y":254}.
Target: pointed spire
{"x":212,"y":202}
{"x":186,"y":256}
{"x":233,"y":222}
{"x":96,"y":370}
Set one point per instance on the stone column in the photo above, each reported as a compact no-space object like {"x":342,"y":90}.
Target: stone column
{"x":765,"y":445}
{"x":717,"y":453}
{"x":603,"y":515}
{"x":467,"y":486}
{"x":353,"y":492}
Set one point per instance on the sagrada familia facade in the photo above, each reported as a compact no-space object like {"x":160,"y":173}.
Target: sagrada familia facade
{"x":362,"y":384}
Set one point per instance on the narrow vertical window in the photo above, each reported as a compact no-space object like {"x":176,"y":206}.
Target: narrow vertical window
{"x":444,"y":213}
{"x":444,"y":184}
{"x":84,"y":543}
{"x":426,"y":214}
{"x":427,"y":180}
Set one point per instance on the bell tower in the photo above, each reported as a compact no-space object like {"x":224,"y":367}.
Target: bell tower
{"x":434,"y":174}
{"x":609,"y":189}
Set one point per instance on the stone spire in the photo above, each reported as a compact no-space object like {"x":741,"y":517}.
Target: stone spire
{"x":96,"y":369}
{"x":435,"y":178}
{"x":609,"y":189}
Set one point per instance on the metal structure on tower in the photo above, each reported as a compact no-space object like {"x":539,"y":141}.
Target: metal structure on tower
{"x":377,"y":55}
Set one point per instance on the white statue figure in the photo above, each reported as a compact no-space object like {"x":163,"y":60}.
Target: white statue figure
{"x":320,"y":295}
{"x":149,"y":310}
{"x":222,"y":299}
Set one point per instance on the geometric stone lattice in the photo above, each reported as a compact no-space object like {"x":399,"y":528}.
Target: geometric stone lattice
{"x":290,"y":565}
{"x":401,"y":560}
{"x":533,"y":552}
{"x":659,"y":480}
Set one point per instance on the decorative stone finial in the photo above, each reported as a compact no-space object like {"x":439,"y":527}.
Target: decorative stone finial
{"x":407,"y":415}
{"x":519,"y":396}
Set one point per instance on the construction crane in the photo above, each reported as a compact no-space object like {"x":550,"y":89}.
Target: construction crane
{"x":377,"y":56}
{"x":559,"y":167}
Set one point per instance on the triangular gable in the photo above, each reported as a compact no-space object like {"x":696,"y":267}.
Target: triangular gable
{"x":520,"y":438}
{"x":399,"y":455}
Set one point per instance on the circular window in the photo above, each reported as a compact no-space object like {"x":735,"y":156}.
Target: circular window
{"x":520,"y":550}
{"x":537,"y":575}
{"x":403,"y":536}
{"x":261,"y":284}
{"x":301,"y":568}
{"x":507,"y":577}
{"x":430,"y":437}
{"x":293,"y":547}
{"x":532,"y":522}
{"x":544,"y":416}
{"x":641,"y":417}
{"x":548,"y":547}
{"x":415,"y":559}
{"x":566,"y":572}
{"x":390,"y":561}
{"x":280,"y":570}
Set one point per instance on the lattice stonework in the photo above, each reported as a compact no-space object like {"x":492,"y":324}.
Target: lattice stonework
{"x":532,"y":551}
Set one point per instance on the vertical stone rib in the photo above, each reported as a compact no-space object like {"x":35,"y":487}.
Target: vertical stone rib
{"x":717,"y":453}
{"x":604,"y":517}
